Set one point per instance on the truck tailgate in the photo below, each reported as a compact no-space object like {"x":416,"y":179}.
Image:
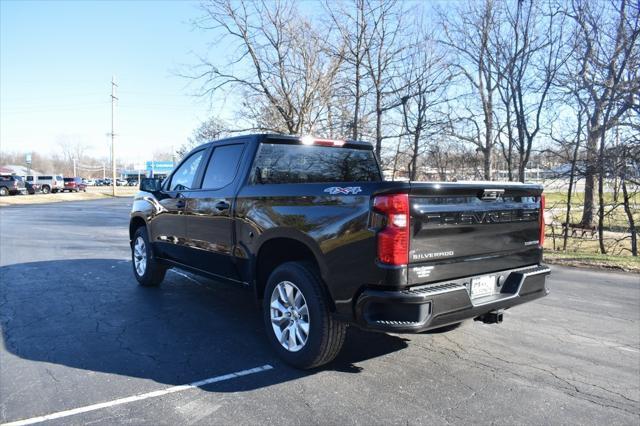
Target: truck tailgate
{"x":459,"y":229}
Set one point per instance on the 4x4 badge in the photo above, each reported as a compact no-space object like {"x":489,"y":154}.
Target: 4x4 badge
{"x":336,"y":190}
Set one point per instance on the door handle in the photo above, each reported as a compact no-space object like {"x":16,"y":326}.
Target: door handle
{"x":222,"y":205}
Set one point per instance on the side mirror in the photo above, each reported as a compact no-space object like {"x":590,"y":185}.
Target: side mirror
{"x":150,"y":184}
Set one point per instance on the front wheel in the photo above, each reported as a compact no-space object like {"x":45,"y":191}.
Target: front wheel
{"x":297,"y":317}
{"x":146,"y":268}
{"x":45,"y":189}
{"x":3,"y":191}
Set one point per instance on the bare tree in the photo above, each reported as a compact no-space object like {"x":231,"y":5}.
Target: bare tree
{"x":209,"y":130}
{"x":424,"y":83}
{"x":352,"y":23}
{"x":281,"y":64}
{"x":529,"y":56}
{"x":604,"y":63}
{"x":468,"y":35}
{"x":383,"y":57}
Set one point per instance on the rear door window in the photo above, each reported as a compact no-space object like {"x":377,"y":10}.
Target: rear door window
{"x":223,"y":166}
{"x":282,"y":163}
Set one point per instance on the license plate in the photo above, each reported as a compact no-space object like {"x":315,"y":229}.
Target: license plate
{"x":483,"y":286}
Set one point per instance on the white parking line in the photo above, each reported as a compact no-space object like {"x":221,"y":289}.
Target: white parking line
{"x":140,"y":397}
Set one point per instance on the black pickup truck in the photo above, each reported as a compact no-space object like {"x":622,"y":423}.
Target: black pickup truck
{"x":311,"y":227}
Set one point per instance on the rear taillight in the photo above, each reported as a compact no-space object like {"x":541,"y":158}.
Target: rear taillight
{"x":393,"y":239}
{"x":542,"y":224}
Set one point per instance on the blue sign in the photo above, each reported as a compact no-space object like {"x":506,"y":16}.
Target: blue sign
{"x":158,"y":168}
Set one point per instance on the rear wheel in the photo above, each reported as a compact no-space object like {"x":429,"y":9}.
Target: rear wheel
{"x":297,"y":317}
{"x":146,"y":268}
{"x":46,"y":189}
{"x":4,"y":191}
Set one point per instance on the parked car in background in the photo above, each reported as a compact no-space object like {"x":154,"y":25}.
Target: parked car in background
{"x":48,"y":183}
{"x":132,"y":182}
{"x":89,"y":182}
{"x":121,"y":182}
{"x":32,"y":188}
{"x":74,"y":184}
{"x":12,"y":185}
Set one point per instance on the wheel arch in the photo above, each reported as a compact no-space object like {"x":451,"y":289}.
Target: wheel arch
{"x":135,"y":223}
{"x":279,"y":249}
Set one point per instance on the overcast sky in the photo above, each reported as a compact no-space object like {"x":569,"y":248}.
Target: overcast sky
{"x":56,"y":63}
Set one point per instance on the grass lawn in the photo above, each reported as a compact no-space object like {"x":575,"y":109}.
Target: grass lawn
{"x":93,"y":193}
{"x":615,"y":216}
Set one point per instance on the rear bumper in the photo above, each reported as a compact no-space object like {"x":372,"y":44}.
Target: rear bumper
{"x":435,"y":305}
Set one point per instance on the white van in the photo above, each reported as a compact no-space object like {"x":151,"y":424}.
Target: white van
{"x":48,"y":183}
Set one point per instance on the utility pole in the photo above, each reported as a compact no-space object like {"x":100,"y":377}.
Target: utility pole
{"x":104,"y":172}
{"x":74,"y":168}
{"x":113,"y":135}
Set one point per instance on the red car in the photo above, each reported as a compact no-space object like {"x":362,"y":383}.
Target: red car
{"x":74,"y":184}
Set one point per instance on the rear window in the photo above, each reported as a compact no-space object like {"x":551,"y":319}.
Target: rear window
{"x":44,"y":177}
{"x":69,"y":179}
{"x":283,"y":163}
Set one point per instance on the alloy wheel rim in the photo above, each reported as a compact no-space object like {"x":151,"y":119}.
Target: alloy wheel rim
{"x":289,"y":316}
{"x":140,"y":256}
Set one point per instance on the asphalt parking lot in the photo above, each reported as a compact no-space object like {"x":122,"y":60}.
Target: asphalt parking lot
{"x":78,"y":331}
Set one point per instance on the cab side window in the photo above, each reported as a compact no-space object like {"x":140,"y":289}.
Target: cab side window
{"x":223,"y":166}
{"x":184,"y":176}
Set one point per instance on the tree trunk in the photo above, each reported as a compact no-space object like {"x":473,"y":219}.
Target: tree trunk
{"x":395,"y":160}
{"x":379,"y":125}
{"x":414,"y":156}
{"x":590,"y":176}
{"x":356,"y":108}
{"x":632,"y":224}
{"x":574,"y":161}
{"x":486,"y":152}
{"x":603,"y":250}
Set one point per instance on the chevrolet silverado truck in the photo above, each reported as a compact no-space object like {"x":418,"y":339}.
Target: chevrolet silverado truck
{"x":323,"y":242}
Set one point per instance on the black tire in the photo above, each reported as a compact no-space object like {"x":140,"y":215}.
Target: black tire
{"x":326,"y":334}
{"x":4,"y":191}
{"x":154,"y":272}
{"x":46,"y":189}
